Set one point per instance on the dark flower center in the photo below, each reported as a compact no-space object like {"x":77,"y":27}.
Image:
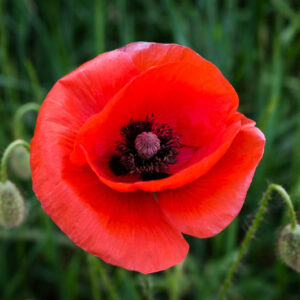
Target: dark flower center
{"x":147,"y":144}
{"x":146,"y":151}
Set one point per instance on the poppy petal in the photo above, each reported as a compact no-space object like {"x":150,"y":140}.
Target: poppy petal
{"x":147,"y":54}
{"x":84,"y":92}
{"x":206,"y":206}
{"x":95,"y":82}
{"x":200,"y":163}
{"x":123,"y":229}
{"x":128,"y":230}
{"x":208,"y":111}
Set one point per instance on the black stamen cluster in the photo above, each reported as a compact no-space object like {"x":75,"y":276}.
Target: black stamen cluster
{"x":127,"y":161}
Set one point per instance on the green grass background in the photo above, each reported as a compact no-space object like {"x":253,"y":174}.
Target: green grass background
{"x":255,"y":43}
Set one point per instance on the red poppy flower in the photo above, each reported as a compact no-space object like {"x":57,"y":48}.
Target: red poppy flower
{"x":138,"y":146}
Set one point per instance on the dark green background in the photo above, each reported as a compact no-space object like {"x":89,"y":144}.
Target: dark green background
{"x":255,"y":43}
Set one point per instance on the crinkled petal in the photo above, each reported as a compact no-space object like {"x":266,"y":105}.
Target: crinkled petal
{"x":85,"y":91}
{"x":191,"y":99}
{"x":123,"y":229}
{"x":128,"y":230}
{"x":147,"y":54}
{"x":206,"y":206}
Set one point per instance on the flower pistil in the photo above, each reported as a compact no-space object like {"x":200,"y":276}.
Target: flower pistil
{"x":147,"y":150}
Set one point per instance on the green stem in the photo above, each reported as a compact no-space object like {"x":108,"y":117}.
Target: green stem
{"x":111,"y":291}
{"x":285,"y":196}
{"x":34,"y":235}
{"x":147,"y":286}
{"x":253,"y":228}
{"x":22,"y":110}
{"x":174,"y":277}
{"x":93,"y":278}
{"x":6,"y":155}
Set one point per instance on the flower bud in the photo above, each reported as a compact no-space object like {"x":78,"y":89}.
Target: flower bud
{"x":19,"y":162}
{"x":289,"y":246}
{"x":12,"y":206}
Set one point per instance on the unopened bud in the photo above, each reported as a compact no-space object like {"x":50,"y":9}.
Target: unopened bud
{"x":289,"y":246}
{"x":19,"y":162}
{"x":12,"y":206}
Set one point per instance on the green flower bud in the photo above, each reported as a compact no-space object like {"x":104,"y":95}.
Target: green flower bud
{"x":289,"y":246}
{"x":12,"y":206}
{"x":19,"y":162}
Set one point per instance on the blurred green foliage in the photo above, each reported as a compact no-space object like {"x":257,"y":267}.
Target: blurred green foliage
{"x":256,"y":44}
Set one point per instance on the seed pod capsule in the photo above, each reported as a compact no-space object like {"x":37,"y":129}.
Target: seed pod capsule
{"x":289,"y":246}
{"x":19,"y":162}
{"x":12,"y":205}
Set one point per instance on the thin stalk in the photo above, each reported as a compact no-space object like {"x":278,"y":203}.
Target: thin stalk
{"x":17,"y":121}
{"x":6,"y":154}
{"x":34,"y":235}
{"x":93,"y":278}
{"x":99,"y":27}
{"x":288,"y":201}
{"x":252,"y":229}
{"x":37,"y":89}
{"x":147,"y":287}
{"x":174,"y":277}
{"x":111,"y":291}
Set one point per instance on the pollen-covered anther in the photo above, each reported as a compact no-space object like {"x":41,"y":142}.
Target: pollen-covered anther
{"x":147,"y":144}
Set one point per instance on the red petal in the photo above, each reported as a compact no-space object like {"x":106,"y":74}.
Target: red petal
{"x":206,"y":119}
{"x":124,"y":229}
{"x":206,"y":206}
{"x":95,"y":82}
{"x":83,"y":93}
{"x":146,"y":55}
